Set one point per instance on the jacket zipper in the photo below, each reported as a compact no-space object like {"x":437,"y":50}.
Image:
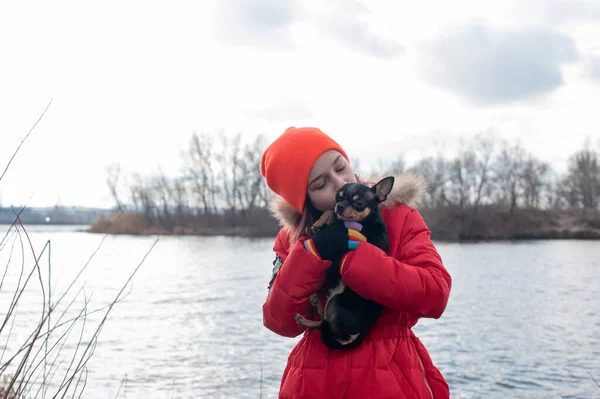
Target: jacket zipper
{"x":425,"y":377}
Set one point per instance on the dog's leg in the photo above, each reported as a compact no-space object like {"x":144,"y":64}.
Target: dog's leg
{"x":337,"y":290}
{"x":314,"y":301}
{"x":352,"y":339}
{"x":304,"y":322}
{"x":326,"y":218}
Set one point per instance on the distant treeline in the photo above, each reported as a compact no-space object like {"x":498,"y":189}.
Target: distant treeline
{"x":220,"y":191}
{"x":491,"y":189}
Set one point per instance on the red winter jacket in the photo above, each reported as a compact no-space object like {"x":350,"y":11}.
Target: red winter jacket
{"x":409,"y":280}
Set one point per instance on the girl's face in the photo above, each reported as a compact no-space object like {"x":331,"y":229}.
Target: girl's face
{"x":327,"y":176}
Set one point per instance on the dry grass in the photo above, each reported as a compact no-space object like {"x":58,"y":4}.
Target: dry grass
{"x":496,"y":223}
{"x":257,"y":225}
{"x":126,"y":223}
{"x":447,"y":224}
{"x":5,"y":392}
{"x":45,"y":362}
{"x":48,"y":361}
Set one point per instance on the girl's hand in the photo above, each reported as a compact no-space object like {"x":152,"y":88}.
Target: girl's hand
{"x":332,"y":241}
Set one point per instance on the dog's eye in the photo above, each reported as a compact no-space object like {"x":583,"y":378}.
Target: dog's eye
{"x":359,"y":203}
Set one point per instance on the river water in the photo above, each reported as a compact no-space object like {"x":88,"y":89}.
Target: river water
{"x":523,"y":320}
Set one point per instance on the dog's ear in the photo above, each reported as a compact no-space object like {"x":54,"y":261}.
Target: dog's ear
{"x":383,"y":188}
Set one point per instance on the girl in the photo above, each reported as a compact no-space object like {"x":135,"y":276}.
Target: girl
{"x":305,"y":168}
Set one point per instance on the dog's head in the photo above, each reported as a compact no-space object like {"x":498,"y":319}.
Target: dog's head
{"x":356,"y":201}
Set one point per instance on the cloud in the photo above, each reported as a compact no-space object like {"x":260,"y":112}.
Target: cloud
{"x":268,"y":23}
{"x":347,"y":23}
{"x":489,"y":66}
{"x":593,"y":68}
{"x":263,"y":23}
{"x":561,"y":11}
{"x":282,"y":111}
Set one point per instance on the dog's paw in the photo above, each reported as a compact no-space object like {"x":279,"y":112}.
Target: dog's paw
{"x":314,"y":229}
{"x":314,"y":300}
{"x":326,"y":218}
{"x":301,"y":320}
{"x":305,"y":323}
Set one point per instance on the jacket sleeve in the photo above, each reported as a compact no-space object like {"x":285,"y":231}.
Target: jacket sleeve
{"x":301,"y":274}
{"x":415,"y":281}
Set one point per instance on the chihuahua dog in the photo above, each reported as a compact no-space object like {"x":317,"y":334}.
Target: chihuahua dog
{"x":346,"y":317}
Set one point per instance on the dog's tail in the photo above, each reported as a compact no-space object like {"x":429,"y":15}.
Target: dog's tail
{"x":334,"y":341}
{"x":329,"y":337}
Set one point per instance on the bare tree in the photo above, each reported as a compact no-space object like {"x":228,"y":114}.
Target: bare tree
{"x":251,"y":181}
{"x":230,"y":163}
{"x":180,"y":194}
{"x":113,"y":181}
{"x":483,"y":151}
{"x":143,"y":197}
{"x":395,"y":165}
{"x":221,"y":172}
{"x":533,"y":180}
{"x":462,"y":179}
{"x":199,"y":166}
{"x":584,"y":172}
{"x":508,"y":169}
{"x":435,"y":171}
{"x":134,"y":191}
{"x":163,"y":189}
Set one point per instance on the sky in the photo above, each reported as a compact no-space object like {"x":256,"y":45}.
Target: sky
{"x":129,"y":82}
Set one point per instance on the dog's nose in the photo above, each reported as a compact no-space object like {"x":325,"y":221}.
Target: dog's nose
{"x":339,"y":208}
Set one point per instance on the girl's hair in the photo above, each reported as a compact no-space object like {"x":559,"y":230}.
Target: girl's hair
{"x":304,"y":220}
{"x":308,"y":217}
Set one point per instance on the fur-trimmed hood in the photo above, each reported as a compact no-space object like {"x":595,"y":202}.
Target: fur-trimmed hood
{"x":407,"y":189}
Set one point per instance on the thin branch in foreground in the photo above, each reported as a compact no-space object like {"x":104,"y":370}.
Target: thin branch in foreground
{"x":12,"y":248}
{"x":41,"y":325}
{"x":93,"y":340}
{"x":49,"y":315}
{"x":59,"y":324}
{"x":14,"y":223}
{"x":53,"y":366}
{"x":86,"y":265}
{"x":78,"y":342}
{"x":30,"y":369}
{"x":6,"y":345}
{"x":25,"y":138}
{"x":84,"y":383}
{"x":17,"y":293}
{"x":123,"y":381}
{"x":594,"y":379}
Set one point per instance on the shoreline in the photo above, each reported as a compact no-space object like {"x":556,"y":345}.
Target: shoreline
{"x":588,"y":235}
{"x":446,"y":225}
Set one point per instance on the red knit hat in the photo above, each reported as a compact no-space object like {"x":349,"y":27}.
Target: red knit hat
{"x":287,"y":162}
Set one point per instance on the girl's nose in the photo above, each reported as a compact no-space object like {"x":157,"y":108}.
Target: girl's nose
{"x":339,"y":183}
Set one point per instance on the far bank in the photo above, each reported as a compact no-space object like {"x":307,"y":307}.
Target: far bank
{"x":447,"y":224}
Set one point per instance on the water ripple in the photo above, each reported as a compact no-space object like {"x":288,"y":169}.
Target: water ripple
{"x":522,"y":320}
